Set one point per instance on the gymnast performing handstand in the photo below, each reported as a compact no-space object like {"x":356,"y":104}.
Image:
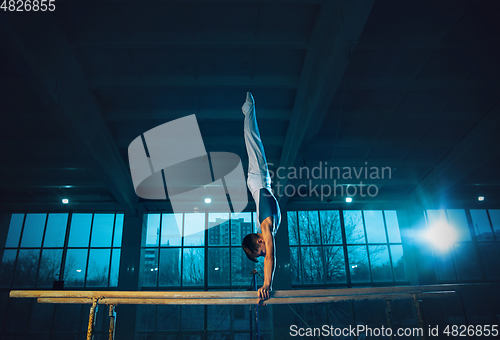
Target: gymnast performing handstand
{"x":268,"y":211}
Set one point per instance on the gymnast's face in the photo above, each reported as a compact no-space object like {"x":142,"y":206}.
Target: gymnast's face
{"x":261,"y":248}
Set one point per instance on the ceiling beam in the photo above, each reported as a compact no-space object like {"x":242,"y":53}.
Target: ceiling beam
{"x":51,"y":183}
{"x":336,"y":32}
{"x":45,"y":59}
{"x":106,"y":83}
{"x":213,"y":141}
{"x":223,"y":41}
{"x":201,"y":115}
{"x":473,"y":152}
{"x":393,"y":142}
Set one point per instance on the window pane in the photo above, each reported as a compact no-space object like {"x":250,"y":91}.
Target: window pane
{"x":193,"y":266}
{"x":56,"y":230}
{"x":353,"y":224}
{"x":102,"y":230}
{"x":7,"y":267}
{"x":458,"y":221}
{"x":444,"y":266}
{"x":150,"y":267}
{"x":495,"y":221}
{"x":309,"y":227}
{"x":218,"y":320}
{"x":241,"y":267}
{"x":335,"y":265}
{"x":194,"y":229}
{"x":240,"y":320}
{"x":168,"y":318}
{"x":295,"y":265}
{"x":481,"y":225}
{"x":391,"y":221}
{"x":79,"y":233}
{"x":26,"y":268}
{"x":375,"y":230}
{"x":170,"y":267}
{"x":330,"y":227}
{"x":117,"y":242}
{"x":218,"y":266}
{"x":293,"y":230}
{"x":33,"y":230}
{"x":16,"y":224}
{"x":312,"y":265}
{"x":98,"y":272}
{"x":436,"y":216}
{"x":381,"y":264}
{"x":358,"y":263}
{"x":256,"y":225}
{"x":491,"y":260}
{"x":218,"y":232}
{"x":241,"y":225}
{"x":74,"y":268}
{"x":171,"y":230}
{"x":467,"y":261}
{"x":153,"y":229}
{"x":398,"y":263}
{"x":50,"y":266}
{"x":191,"y":318}
{"x":115,"y":268}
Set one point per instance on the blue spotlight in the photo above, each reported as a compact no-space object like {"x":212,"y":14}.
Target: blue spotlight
{"x":441,"y":235}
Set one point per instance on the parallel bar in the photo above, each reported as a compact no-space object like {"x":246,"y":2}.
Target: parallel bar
{"x":244,"y":301}
{"x":239,"y":294}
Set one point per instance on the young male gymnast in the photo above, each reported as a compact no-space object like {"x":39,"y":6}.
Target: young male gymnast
{"x":268,"y":211}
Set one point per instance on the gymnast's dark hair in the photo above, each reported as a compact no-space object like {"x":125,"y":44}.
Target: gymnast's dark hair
{"x":249,"y":245}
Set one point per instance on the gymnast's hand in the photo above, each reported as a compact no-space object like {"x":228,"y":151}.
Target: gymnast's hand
{"x":263,"y":293}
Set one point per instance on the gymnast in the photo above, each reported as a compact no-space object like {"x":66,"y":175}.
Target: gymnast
{"x":268,"y":211}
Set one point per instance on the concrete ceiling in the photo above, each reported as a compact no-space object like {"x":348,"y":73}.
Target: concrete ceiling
{"x":411,"y":85}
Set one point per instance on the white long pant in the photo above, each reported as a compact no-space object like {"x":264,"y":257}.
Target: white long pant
{"x":258,"y":172}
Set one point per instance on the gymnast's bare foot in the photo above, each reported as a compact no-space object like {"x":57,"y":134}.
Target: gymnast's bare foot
{"x":249,"y":103}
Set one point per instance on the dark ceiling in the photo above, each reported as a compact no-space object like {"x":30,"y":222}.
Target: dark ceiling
{"x":410,"y":85}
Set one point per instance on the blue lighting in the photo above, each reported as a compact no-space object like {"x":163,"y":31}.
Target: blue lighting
{"x":441,"y":235}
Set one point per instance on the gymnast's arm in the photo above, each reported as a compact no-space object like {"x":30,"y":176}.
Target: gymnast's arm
{"x":269,"y":260}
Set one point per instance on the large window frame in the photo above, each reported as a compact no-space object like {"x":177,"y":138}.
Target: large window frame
{"x":347,"y":246}
{"x":478,"y":241}
{"x":17,"y":245}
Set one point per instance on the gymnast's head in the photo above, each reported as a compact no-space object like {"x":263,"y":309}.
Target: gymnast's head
{"x":254,"y":246}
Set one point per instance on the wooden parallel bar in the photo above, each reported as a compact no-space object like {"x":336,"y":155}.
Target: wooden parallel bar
{"x":242,"y":301}
{"x":238,"y":294}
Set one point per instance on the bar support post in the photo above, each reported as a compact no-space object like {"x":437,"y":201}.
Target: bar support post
{"x":93,"y":311}
{"x":254,"y":282}
{"x":388,"y":314}
{"x":420,"y":313}
{"x":112,"y":322}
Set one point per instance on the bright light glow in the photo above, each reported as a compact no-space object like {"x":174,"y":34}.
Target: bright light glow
{"x":152,"y":269}
{"x":348,"y":199}
{"x":216,"y":268}
{"x":441,"y":235}
{"x":156,"y":268}
{"x":78,"y":270}
{"x":208,"y":200}
{"x":355,"y":266}
{"x":65,"y":201}
{"x":480,"y":198}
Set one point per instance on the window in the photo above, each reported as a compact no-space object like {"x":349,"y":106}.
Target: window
{"x":81,"y":249}
{"x":197,"y":250}
{"x":342,"y":247}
